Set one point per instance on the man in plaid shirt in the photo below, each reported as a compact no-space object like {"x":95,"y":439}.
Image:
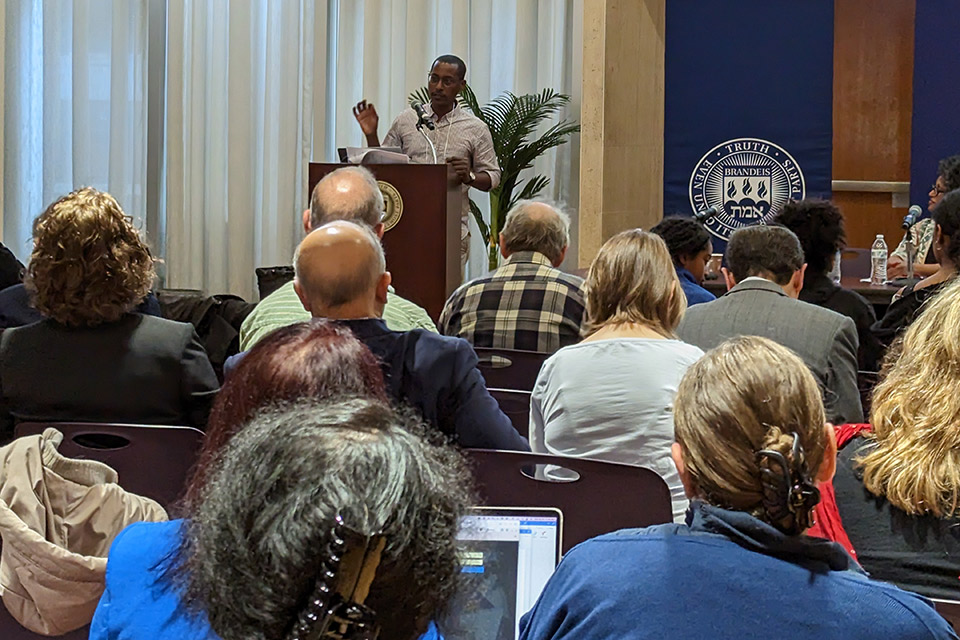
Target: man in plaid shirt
{"x":528,"y":303}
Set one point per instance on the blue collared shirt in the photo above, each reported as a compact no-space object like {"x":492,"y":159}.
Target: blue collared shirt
{"x":692,"y":289}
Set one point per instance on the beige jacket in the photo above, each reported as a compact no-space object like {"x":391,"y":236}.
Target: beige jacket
{"x":58,"y":518}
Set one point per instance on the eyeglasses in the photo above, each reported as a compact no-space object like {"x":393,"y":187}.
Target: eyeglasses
{"x":446,"y":81}
{"x":937,"y":189}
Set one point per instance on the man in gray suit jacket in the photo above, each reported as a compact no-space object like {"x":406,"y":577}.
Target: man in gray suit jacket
{"x":764,"y":275}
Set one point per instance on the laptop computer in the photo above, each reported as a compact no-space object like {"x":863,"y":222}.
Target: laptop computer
{"x":507,"y":556}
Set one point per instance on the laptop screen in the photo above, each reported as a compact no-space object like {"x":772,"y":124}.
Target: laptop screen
{"x":507,"y":556}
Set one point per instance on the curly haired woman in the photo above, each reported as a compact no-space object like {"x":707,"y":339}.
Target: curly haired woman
{"x":92,"y":359}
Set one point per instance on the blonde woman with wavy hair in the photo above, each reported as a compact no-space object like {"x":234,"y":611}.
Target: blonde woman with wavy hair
{"x":611,"y":396}
{"x":91,"y":357}
{"x":752,"y":448}
{"x":898,"y":487}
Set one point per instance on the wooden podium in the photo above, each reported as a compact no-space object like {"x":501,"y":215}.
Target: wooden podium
{"x":422,"y":222}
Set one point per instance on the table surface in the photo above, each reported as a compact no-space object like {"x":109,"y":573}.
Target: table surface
{"x":877,"y":294}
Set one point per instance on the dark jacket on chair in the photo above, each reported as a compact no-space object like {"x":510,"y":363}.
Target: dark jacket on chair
{"x":827,"y":341}
{"x":140,"y":369}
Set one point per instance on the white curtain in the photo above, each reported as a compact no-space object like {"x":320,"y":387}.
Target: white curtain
{"x":201,"y":117}
{"x":73,"y":87}
{"x":237,"y":129}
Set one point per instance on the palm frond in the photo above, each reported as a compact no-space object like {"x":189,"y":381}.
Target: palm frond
{"x":531,"y":189}
{"x":478,"y":218}
{"x":421,"y":95}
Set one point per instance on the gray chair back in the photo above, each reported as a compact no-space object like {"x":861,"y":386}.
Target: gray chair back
{"x":510,"y":368}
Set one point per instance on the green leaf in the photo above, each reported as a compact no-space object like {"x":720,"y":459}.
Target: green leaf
{"x":421,"y":95}
{"x":478,"y":218}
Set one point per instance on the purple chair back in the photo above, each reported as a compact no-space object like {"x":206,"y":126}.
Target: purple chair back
{"x":516,"y":405}
{"x":510,"y":368}
{"x":150,"y":460}
{"x":607,"y":495}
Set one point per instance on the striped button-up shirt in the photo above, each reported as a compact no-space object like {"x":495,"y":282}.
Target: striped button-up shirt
{"x":525,"y":304}
{"x":458,"y":134}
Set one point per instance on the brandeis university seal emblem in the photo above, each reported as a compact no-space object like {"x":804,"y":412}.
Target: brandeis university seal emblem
{"x":392,"y":203}
{"x":748,"y":180}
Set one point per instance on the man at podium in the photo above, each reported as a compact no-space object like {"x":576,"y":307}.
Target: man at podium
{"x":460,"y":138}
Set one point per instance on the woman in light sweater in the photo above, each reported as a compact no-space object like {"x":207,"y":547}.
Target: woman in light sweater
{"x":610,"y":397}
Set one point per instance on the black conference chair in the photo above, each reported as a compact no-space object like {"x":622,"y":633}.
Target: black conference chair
{"x":950,"y":610}
{"x":510,"y":368}
{"x":150,"y":460}
{"x":516,"y":405}
{"x":602,"y":497}
{"x":10,"y":629}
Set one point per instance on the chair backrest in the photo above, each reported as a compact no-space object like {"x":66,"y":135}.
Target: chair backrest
{"x":605,"y":497}
{"x":516,"y":405}
{"x":855,"y":262}
{"x":949,"y":610}
{"x":150,"y":460}
{"x":10,"y":629}
{"x":269,"y":279}
{"x":510,"y":368}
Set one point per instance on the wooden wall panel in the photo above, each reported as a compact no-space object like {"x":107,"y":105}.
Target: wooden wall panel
{"x":872,"y":105}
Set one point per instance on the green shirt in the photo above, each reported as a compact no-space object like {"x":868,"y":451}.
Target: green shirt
{"x":283,"y":307}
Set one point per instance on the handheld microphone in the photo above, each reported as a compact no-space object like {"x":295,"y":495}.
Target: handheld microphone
{"x":424,"y":120}
{"x":911,"y":218}
{"x":705,"y":214}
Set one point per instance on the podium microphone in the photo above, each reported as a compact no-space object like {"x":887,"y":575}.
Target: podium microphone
{"x":911,"y":218}
{"x":705,"y":214}
{"x":424,"y":120}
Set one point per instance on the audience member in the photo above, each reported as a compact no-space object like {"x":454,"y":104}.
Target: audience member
{"x":11,"y":269}
{"x":91,"y":359}
{"x":528,"y":303}
{"x":341,"y":275}
{"x":317,"y":359}
{"x":296,"y":504}
{"x":909,"y":301}
{"x":751,"y":446}
{"x":690,"y":247}
{"x":16,"y":309}
{"x":349,"y":193}
{"x":611,"y":396}
{"x":898,"y":488}
{"x":818,"y":224}
{"x":925,"y":260}
{"x":764,"y":276}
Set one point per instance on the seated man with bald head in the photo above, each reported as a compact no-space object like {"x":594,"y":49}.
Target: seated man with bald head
{"x":341,"y":274}
{"x":349,"y":193}
{"x":528,"y":303}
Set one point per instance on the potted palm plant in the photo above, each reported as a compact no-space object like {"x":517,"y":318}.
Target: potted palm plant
{"x":513,"y":122}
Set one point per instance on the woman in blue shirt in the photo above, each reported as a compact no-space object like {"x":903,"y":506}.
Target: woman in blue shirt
{"x":751,"y":447}
{"x":690,"y":247}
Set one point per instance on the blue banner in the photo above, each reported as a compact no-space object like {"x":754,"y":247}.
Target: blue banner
{"x":748,"y":108}
{"x":936,"y":93}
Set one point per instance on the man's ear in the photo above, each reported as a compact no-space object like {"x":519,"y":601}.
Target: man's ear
{"x":828,"y":466}
{"x":303,"y":298}
{"x":728,"y":278}
{"x":563,"y":254}
{"x":307,"y":225}
{"x":379,"y":230}
{"x":503,"y":248}
{"x":676,"y":452}
{"x":383,"y":284}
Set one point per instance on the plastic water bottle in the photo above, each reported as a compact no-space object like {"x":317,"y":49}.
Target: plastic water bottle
{"x":878,"y":260}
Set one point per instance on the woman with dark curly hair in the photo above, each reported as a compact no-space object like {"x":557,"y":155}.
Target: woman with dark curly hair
{"x":925,"y":262}
{"x":91,"y":359}
{"x":690,"y":248}
{"x":818,"y":224}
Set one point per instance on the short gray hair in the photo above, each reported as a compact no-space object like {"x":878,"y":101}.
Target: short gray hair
{"x":364,"y":205}
{"x":548,"y":235}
